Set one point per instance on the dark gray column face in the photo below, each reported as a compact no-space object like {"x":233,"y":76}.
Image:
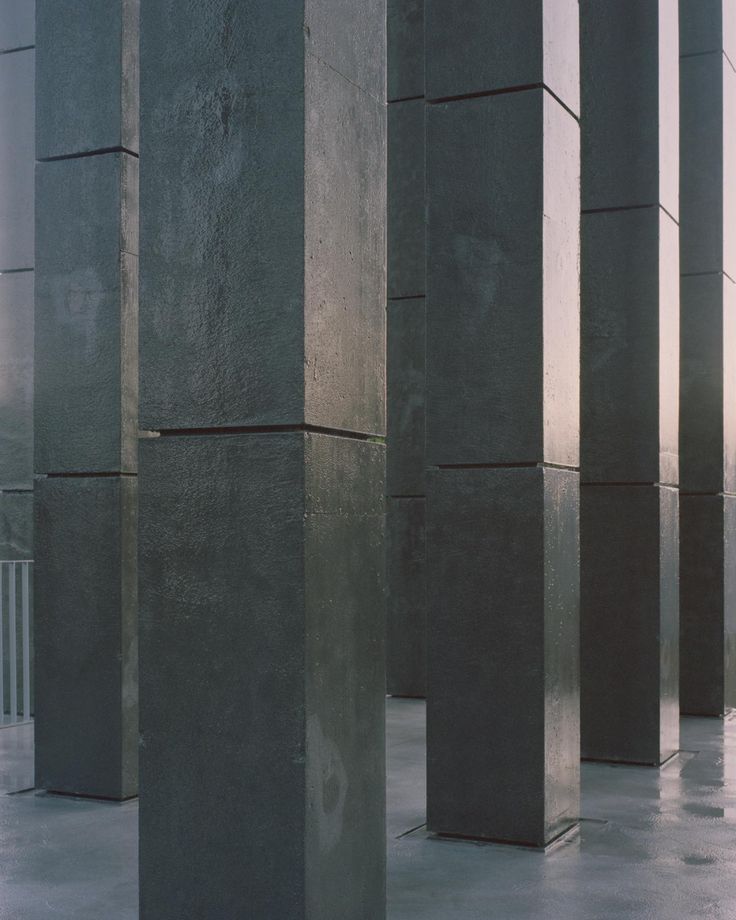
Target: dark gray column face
{"x":16,"y":157}
{"x":86,"y":425}
{"x":16,"y":24}
{"x":708,"y":376}
{"x":707,"y":25}
{"x":629,"y":623}
{"x":263,"y":305}
{"x":406,"y":387}
{"x":708,"y":149}
{"x":406,"y":179}
{"x":86,"y":88}
{"x":704,"y":355}
{"x":211,"y":290}
{"x":405,"y":51}
{"x":16,"y":525}
{"x":16,"y":374}
{"x":502,"y":384}
{"x":86,"y":308}
{"x":630,"y":361}
{"x":629,"y":77}
{"x":288,"y":524}
{"x":17,"y":107}
{"x":707,"y":604}
{"x":478,"y":46}
{"x":406,"y":617}
{"x":492,"y":634}
{"x":85,"y":602}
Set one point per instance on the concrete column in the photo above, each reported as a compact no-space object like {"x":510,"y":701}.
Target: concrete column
{"x":708,"y":356}
{"x":17,"y":30}
{"x":86,"y":380}
{"x":406,"y":646}
{"x":502,"y":418}
{"x":262,"y":473}
{"x":630,"y":341}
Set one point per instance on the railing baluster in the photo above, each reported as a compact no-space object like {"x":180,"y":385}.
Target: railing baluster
{"x":12,"y":644}
{"x":26,"y":638}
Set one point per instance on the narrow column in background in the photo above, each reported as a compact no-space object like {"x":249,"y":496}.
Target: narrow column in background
{"x":708,"y":356}
{"x":629,"y":428}
{"x":263,"y":291}
{"x":86,"y":383}
{"x":17,"y":77}
{"x":406,"y":646}
{"x":502,"y":418}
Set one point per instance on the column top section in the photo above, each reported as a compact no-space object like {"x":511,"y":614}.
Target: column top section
{"x":708,"y":26}
{"x":86,"y":77}
{"x":17,"y":24}
{"x":630,"y":104}
{"x":477,"y":47}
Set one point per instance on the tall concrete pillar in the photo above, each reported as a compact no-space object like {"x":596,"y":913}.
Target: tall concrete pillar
{"x":406,"y":646}
{"x":629,"y":428}
{"x":263,"y":291}
{"x":17,"y":54}
{"x":86,"y":381}
{"x":502,"y":418}
{"x":708,"y":356}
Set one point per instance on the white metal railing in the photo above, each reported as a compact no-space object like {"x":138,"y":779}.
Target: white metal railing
{"x":15,"y":656}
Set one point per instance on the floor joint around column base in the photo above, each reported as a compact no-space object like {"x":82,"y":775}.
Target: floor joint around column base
{"x":560,"y":839}
{"x":104,"y":799}
{"x":650,"y":764}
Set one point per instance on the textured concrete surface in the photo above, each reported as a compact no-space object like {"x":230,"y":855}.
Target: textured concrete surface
{"x":652,"y":844}
{"x":502,"y":673}
{"x":630,"y":347}
{"x":220,"y":269}
{"x":630,"y":321}
{"x":16,"y":24}
{"x":502,"y":383}
{"x":86,"y":399}
{"x":406,"y":348}
{"x":707,"y":383}
{"x":405,"y":49}
{"x":707,"y":604}
{"x":629,"y":622}
{"x":406,"y":379}
{"x":406,"y":603}
{"x":406,"y":216}
{"x":708,"y":356}
{"x":262,"y":594}
{"x":87,"y":88}
{"x":16,"y":158}
{"x":16,"y":381}
{"x":86,"y":636}
{"x":477,"y":46}
{"x":629,"y":63}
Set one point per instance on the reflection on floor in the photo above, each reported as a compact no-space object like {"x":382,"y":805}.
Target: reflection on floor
{"x":653,"y":845}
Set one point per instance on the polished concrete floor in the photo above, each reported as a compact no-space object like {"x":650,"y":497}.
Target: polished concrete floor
{"x":653,"y":844}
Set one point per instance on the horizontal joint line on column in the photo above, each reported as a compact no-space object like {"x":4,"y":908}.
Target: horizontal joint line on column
{"x":265,"y":429}
{"x":94,"y":475}
{"x":14,"y":271}
{"x":409,"y":297}
{"x":20,"y":48}
{"x":406,"y":496}
{"x":405,"y":99}
{"x":704,"y":494}
{"x":102,"y":151}
{"x":718,"y":272}
{"x":623,"y":483}
{"x":17,"y":491}
{"x":504,"y":91}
